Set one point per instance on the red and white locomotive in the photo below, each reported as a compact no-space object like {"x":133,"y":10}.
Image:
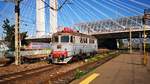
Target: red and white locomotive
{"x":68,"y":45}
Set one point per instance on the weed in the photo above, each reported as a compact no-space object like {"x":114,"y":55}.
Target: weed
{"x":79,"y":74}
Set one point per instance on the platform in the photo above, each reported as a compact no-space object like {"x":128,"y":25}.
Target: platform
{"x":124,"y":69}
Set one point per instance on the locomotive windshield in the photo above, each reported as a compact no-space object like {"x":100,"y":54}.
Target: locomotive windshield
{"x":55,"y":39}
{"x":64,"y":38}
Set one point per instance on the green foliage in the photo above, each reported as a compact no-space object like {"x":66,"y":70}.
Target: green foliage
{"x":103,"y":56}
{"x":79,"y":74}
{"x":9,"y":31}
{"x":23,"y":40}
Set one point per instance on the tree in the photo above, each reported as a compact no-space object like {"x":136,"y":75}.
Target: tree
{"x":9,"y":31}
{"x":23,"y":40}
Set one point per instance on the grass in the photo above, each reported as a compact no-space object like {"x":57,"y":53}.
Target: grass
{"x":79,"y":74}
{"x":102,"y":56}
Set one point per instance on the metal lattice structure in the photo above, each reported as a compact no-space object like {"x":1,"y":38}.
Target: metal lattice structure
{"x":112,"y":25}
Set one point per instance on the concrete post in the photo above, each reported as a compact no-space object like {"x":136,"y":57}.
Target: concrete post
{"x":17,"y":35}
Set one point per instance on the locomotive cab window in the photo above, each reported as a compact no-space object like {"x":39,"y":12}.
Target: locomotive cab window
{"x":64,"y":38}
{"x":55,"y":39}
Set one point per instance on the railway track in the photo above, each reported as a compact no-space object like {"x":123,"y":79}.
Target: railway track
{"x":38,"y":75}
{"x":4,"y":79}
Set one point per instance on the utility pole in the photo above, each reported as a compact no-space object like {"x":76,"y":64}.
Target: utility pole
{"x":17,"y":34}
{"x":144,"y":45}
{"x":145,"y":19}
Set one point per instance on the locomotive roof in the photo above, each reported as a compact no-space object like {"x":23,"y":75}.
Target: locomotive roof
{"x":73,"y":33}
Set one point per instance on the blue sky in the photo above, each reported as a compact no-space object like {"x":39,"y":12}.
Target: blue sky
{"x":76,"y":12}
